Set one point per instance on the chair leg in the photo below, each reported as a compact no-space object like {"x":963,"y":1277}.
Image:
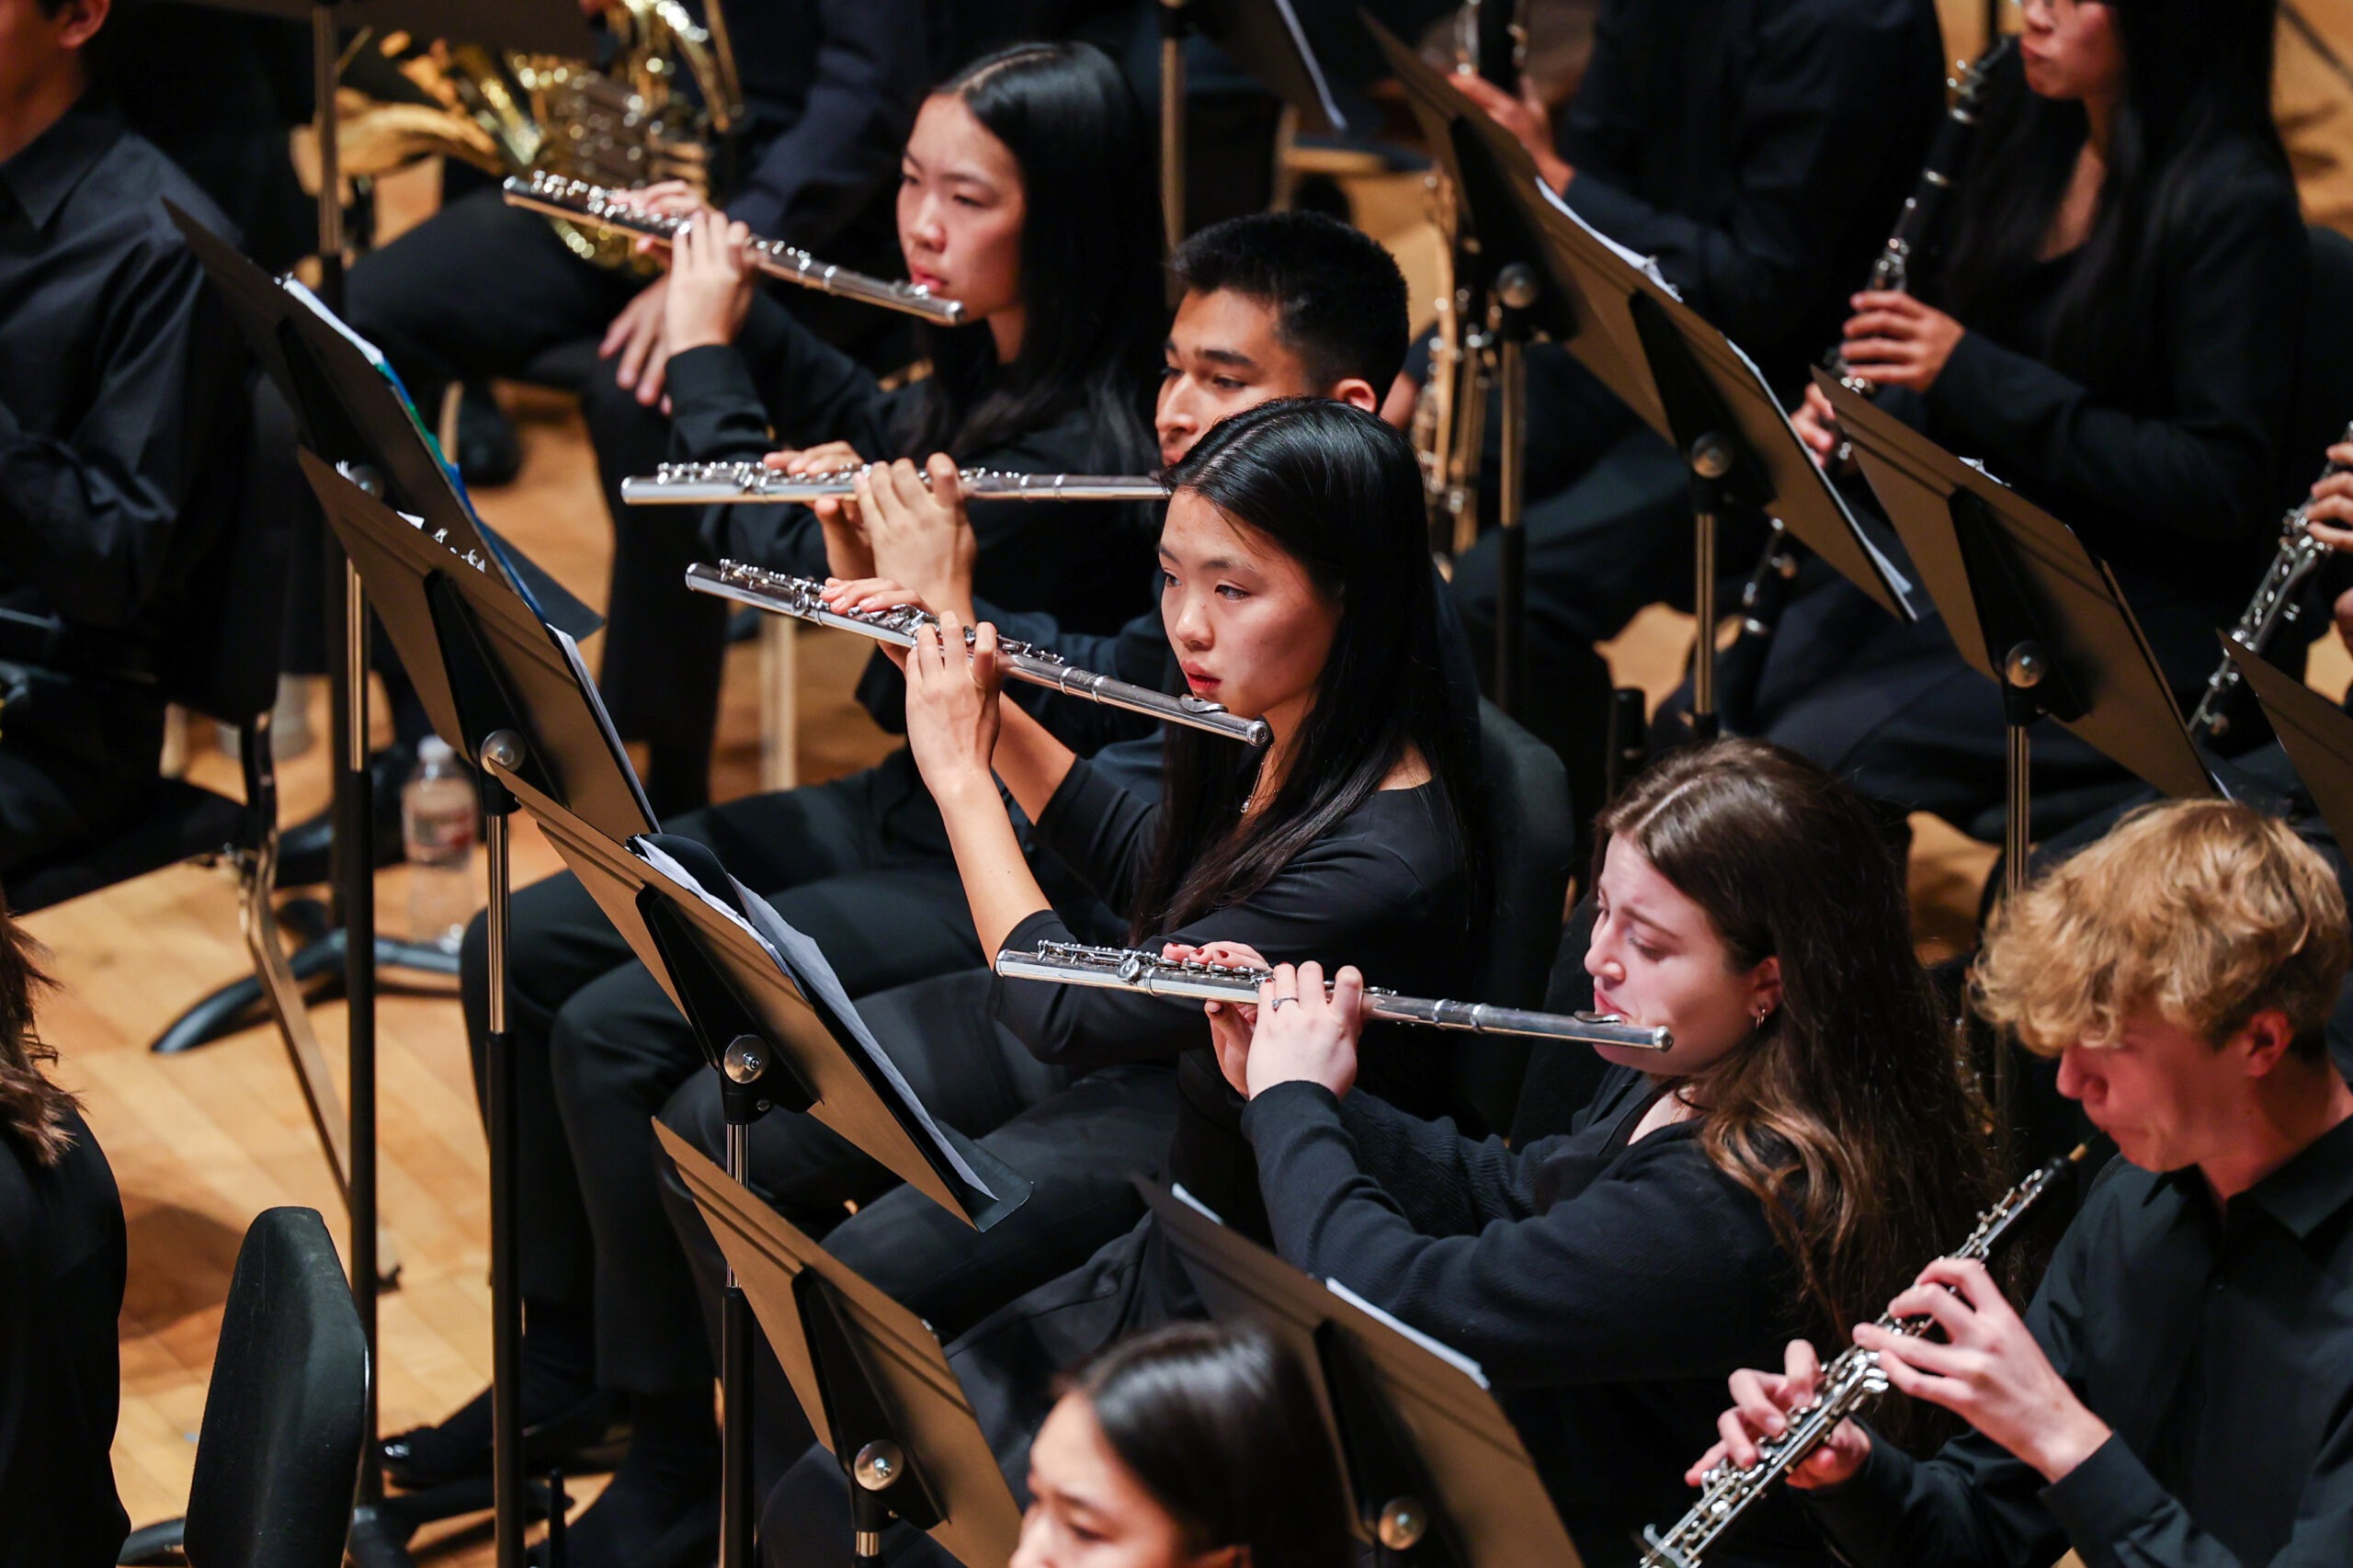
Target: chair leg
{"x":780,"y":704}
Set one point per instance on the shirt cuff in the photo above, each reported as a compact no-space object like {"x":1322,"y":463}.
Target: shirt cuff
{"x":1288,"y":1106}
{"x":710,"y":379}
{"x":2105,"y":1500}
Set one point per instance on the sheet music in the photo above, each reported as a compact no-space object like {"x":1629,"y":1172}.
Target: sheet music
{"x":1645,"y":264}
{"x":604,"y":720}
{"x":806,"y":964}
{"x":1446,"y":1353}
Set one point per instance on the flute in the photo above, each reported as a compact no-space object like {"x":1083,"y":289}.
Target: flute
{"x":613,"y":210}
{"x":733,"y":483}
{"x":1129,"y":969}
{"x":1848,"y":1385}
{"x":802,"y":599}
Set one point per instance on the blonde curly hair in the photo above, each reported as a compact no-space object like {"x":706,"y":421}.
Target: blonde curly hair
{"x":2205,"y":911}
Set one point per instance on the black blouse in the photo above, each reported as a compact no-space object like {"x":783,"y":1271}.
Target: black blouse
{"x":2168,"y":466}
{"x":1606,"y":1287}
{"x":1383,"y":890}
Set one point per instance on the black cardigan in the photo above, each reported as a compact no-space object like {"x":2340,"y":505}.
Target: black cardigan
{"x":1382,"y":890}
{"x":1607,"y":1288}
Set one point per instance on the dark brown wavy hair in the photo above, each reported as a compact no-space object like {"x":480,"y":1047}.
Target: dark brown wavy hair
{"x":32,"y":1110}
{"x":1852,"y":1114}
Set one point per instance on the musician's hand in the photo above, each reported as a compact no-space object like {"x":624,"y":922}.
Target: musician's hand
{"x":1761,"y":1406}
{"x":1989,"y":1371}
{"x":2343,"y":609}
{"x":826,"y":457}
{"x":1304,"y":1035}
{"x":712,"y":283}
{"x":1403,"y":397}
{"x":1893,"y":340}
{"x":920,"y":534}
{"x":952,"y":709}
{"x":869,"y":596}
{"x":637,"y":335}
{"x":669,"y":199}
{"x":1816,"y":424}
{"x":2328,"y":516}
{"x":1529,"y":119}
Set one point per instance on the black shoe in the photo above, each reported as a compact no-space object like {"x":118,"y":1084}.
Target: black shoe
{"x":487,"y":455}
{"x":306,"y":850}
{"x":584,"y":1437}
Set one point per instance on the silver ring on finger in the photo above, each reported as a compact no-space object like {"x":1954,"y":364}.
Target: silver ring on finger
{"x":1276,"y":1006}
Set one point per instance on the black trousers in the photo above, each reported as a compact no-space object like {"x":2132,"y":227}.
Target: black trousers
{"x":1077,"y":1141}
{"x":860,"y":864}
{"x":74,"y":760}
{"x":481,"y":290}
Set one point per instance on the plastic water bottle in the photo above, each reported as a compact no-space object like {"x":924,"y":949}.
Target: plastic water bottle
{"x":437,"y":815}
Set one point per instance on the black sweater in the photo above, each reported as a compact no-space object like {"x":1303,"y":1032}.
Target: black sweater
{"x":1759,"y":149}
{"x":2167,"y":465}
{"x":1382,"y":890}
{"x":62,"y":1267}
{"x":1607,"y":1288}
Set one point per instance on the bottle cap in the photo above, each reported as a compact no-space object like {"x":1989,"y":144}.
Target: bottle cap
{"x":433,"y":749}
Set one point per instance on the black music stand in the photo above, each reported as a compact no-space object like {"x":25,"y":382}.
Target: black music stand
{"x":1555,"y":276}
{"x":504,"y":688}
{"x":1436,"y":1474}
{"x":2316,"y":734}
{"x":1265,"y":38}
{"x":2029,"y":608}
{"x":871,"y":1376}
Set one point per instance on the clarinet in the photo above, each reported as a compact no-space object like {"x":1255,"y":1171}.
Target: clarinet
{"x":612,"y":212}
{"x":736,"y":483}
{"x":1129,"y":969}
{"x":1849,"y":1385}
{"x":802,"y":599}
{"x":2276,"y":605}
{"x":1742,"y":663}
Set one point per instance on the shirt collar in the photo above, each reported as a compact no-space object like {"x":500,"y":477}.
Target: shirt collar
{"x":2302,"y":1194}
{"x":45,"y":173}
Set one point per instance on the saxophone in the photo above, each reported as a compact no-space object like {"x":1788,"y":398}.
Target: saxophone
{"x":2276,"y":605}
{"x":626,"y":122}
{"x":1849,"y":1385}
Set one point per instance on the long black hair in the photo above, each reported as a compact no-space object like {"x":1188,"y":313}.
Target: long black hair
{"x":2197,"y":74}
{"x":1219,"y":1425}
{"x":1093,"y":315}
{"x":1339,"y":493}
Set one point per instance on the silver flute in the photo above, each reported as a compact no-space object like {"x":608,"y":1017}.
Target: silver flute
{"x":615,"y":210}
{"x":1130,"y":969}
{"x":803,"y":599}
{"x":735,"y":483}
{"x":1849,"y":1386}
{"x":2276,"y":605}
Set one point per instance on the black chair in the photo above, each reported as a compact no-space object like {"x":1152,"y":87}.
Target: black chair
{"x":278,"y":1456}
{"x":1531,"y":836}
{"x":223,"y":642}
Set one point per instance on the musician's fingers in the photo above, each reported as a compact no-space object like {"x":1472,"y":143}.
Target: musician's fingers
{"x":1697,"y":1474}
{"x":1888,"y":300}
{"x":947,"y":487}
{"x":1970,"y":1278}
{"x":1800,"y":1369}
{"x":1347,"y":992}
{"x":2338,"y":484}
{"x":1232,"y":955}
{"x":1865,"y":351}
{"x":2341,"y":454}
{"x":1310,"y":980}
{"x":2331,"y":522}
{"x":984,"y":666}
{"x":1281,"y":985}
{"x":1955,"y":1361}
{"x":1880,"y":323}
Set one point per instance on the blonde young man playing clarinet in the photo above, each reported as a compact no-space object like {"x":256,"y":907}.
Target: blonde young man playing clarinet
{"x":2180,"y":1393}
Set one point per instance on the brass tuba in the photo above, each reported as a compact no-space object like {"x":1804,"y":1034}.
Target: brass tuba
{"x":622,"y":124}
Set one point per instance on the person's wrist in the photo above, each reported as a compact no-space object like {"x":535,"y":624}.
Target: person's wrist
{"x":699,"y":337}
{"x":2060,"y":1446}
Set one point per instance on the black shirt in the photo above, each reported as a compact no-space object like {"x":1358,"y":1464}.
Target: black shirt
{"x":62,"y":1264}
{"x":2167,"y":465}
{"x":122,"y":387}
{"x":1383,"y":890}
{"x":1760,"y":149}
{"x":2218,"y":1345}
{"x":1606,"y":1288}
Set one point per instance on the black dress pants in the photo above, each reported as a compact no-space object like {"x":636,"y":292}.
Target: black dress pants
{"x":481,"y":289}
{"x":75,"y":760}
{"x":1077,"y":1141}
{"x":860,"y":864}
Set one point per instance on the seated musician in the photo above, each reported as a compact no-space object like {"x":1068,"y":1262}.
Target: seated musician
{"x":2112,"y":328}
{"x":62,"y":1259}
{"x":1196,"y":1446}
{"x":1761,"y":153}
{"x":2179,"y":1392}
{"x":122,"y":419}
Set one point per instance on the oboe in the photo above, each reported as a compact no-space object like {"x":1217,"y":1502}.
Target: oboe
{"x":735,"y":483}
{"x":612,"y":210}
{"x":1129,"y":969}
{"x":802,"y":599}
{"x":2276,"y":605}
{"x":1849,"y":1386}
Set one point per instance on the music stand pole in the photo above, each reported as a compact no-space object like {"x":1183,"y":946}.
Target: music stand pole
{"x":504,"y":748}
{"x":1174,"y":25}
{"x":746,"y":1063}
{"x":1710,"y":460}
{"x":1516,"y":289}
